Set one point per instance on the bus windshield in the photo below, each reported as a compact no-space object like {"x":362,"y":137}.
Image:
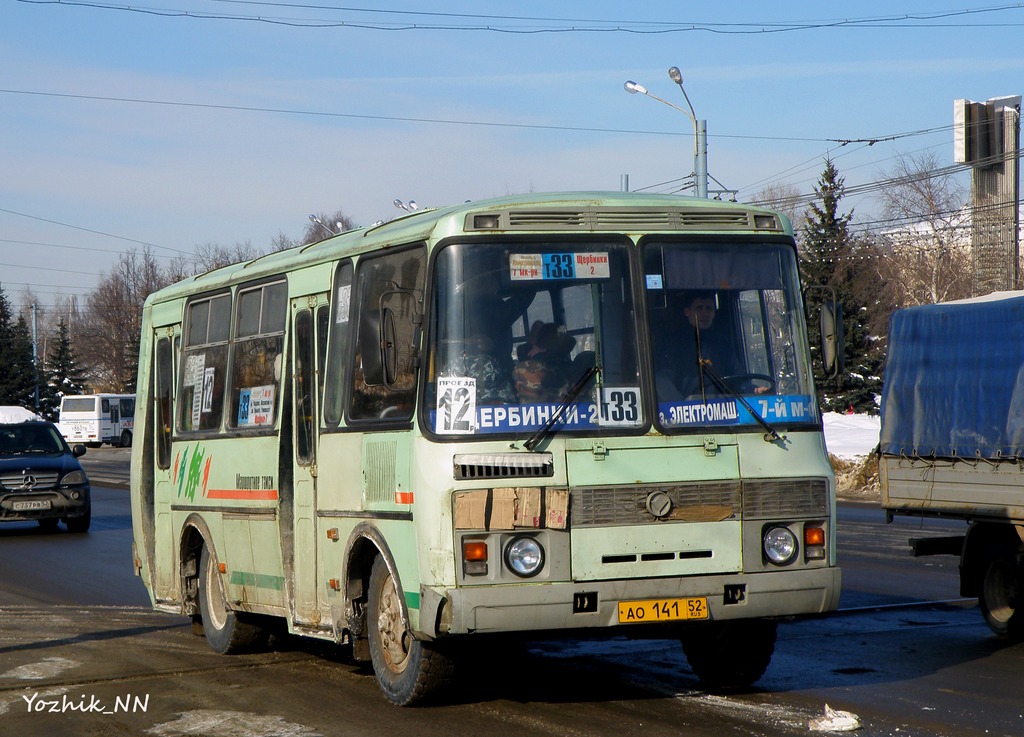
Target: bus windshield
{"x":727,"y":335}
{"x":516,"y":325}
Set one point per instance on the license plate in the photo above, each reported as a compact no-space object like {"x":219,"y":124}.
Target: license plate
{"x":662,"y":610}
{"x":32,"y":505}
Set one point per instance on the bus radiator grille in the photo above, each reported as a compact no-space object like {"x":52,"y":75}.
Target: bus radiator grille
{"x":782,"y":498}
{"x":702,"y":501}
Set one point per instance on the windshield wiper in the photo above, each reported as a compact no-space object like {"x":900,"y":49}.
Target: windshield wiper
{"x":771,"y":435}
{"x":544,"y":430}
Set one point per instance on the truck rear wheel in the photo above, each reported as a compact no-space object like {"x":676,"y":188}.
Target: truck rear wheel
{"x":732,"y":655}
{"x":407,"y":670}
{"x":1001,"y":588}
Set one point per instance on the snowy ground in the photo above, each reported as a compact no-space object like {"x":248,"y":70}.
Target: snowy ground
{"x":851,"y":436}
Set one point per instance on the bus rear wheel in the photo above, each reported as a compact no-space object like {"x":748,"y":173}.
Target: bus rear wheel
{"x":126,"y":439}
{"x":407,"y":670}
{"x":732,"y":655}
{"x":226,"y":631}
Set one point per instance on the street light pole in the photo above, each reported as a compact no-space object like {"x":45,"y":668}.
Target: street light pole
{"x":700,"y":129}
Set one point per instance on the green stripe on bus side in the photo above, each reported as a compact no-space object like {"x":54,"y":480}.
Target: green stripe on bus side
{"x":258,"y":580}
{"x":412,"y":599}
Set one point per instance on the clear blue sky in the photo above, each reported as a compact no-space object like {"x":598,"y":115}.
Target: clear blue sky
{"x":225,"y":121}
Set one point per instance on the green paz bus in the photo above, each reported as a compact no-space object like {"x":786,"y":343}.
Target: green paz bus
{"x":552,"y":415}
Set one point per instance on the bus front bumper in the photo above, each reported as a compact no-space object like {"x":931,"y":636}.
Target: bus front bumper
{"x":595,"y":604}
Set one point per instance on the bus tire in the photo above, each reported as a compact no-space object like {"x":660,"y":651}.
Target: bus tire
{"x":731,"y":655}
{"x":226,"y":631}
{"x":407,"y":670}
{"x":126,"y":439}
{"x":999,"y":592}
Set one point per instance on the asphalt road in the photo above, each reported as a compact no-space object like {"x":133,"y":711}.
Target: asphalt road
{"x":81,"y":653}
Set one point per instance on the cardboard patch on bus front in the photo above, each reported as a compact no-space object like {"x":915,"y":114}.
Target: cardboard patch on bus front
{"x":528,"y":507}
{"x":505,"y":508}
{"x":558,"y":508}
{"x":485,"y":509}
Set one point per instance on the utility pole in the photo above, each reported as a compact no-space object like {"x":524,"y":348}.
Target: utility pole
{"x":35,"y":356}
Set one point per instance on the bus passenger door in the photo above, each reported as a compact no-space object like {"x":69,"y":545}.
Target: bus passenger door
{"x":163,"y":547}
{"x":305,"y":411}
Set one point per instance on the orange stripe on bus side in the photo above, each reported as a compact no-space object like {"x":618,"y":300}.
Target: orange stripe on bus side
{"x":242,"y":494}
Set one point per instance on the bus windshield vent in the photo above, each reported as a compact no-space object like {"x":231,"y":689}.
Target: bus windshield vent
{"x":614,"y":219}
{"x":503,"y":465}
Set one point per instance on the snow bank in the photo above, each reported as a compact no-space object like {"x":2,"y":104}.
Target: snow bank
{"x":16,"y":414}
{"x":850,"y":436}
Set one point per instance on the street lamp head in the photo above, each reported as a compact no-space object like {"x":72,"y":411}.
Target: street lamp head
{"x":632,"y":88}
{"x":675,"y":75}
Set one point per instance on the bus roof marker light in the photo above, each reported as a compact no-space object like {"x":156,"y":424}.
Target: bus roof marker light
{"x":486,"y":222}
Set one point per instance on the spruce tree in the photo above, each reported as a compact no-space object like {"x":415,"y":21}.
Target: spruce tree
{"x":832,"y":257}
{"x":17,"y":369}
{"x":64,"y":374}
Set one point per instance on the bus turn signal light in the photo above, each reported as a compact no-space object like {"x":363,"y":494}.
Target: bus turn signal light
{"x":814,"y":542}
{"x":474,"y":557}
{"x":474,"y":550}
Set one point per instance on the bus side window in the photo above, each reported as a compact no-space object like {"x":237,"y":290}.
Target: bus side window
{"x":304,"y":386}
{"x":337,"y":347}
{"x":162,"y":394}
{"x":204,"y":368}
{"x":323,"y":317}
{"x":390,"y":300}
{"x":258,"y":355}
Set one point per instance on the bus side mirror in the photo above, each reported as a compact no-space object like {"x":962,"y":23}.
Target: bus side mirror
{"x":832,"y":338}
{"x":370,"y":348}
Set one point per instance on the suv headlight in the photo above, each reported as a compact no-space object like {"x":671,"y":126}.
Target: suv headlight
{"x":75,"y":478}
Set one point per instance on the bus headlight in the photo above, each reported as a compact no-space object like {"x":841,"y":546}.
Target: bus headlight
{"x":780,"y":545}
{"x":524,"y":556}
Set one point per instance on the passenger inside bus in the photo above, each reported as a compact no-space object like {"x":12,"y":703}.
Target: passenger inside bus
{"x":477,"y":360}
{"x":543,"y":373}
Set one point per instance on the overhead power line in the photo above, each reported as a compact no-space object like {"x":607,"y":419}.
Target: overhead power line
{"x":410,"y":20}
{"x":398,"y":118}
{"x":94,"y":232}
{"x":452,"y":121}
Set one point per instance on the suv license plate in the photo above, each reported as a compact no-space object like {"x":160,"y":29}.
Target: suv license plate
{"x":662,"y":610}
{"x":30,"y":506}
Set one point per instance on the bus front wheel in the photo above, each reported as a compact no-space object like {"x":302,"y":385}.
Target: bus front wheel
{"x":226,"y":631}
{"x":407,"y":670}
{"x":732,"y":655}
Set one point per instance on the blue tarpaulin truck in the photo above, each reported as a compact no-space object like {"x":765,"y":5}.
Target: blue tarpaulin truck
{"x":952,"y":440}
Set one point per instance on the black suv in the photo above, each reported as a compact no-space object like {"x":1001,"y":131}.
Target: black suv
{"x":41,"y":478}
